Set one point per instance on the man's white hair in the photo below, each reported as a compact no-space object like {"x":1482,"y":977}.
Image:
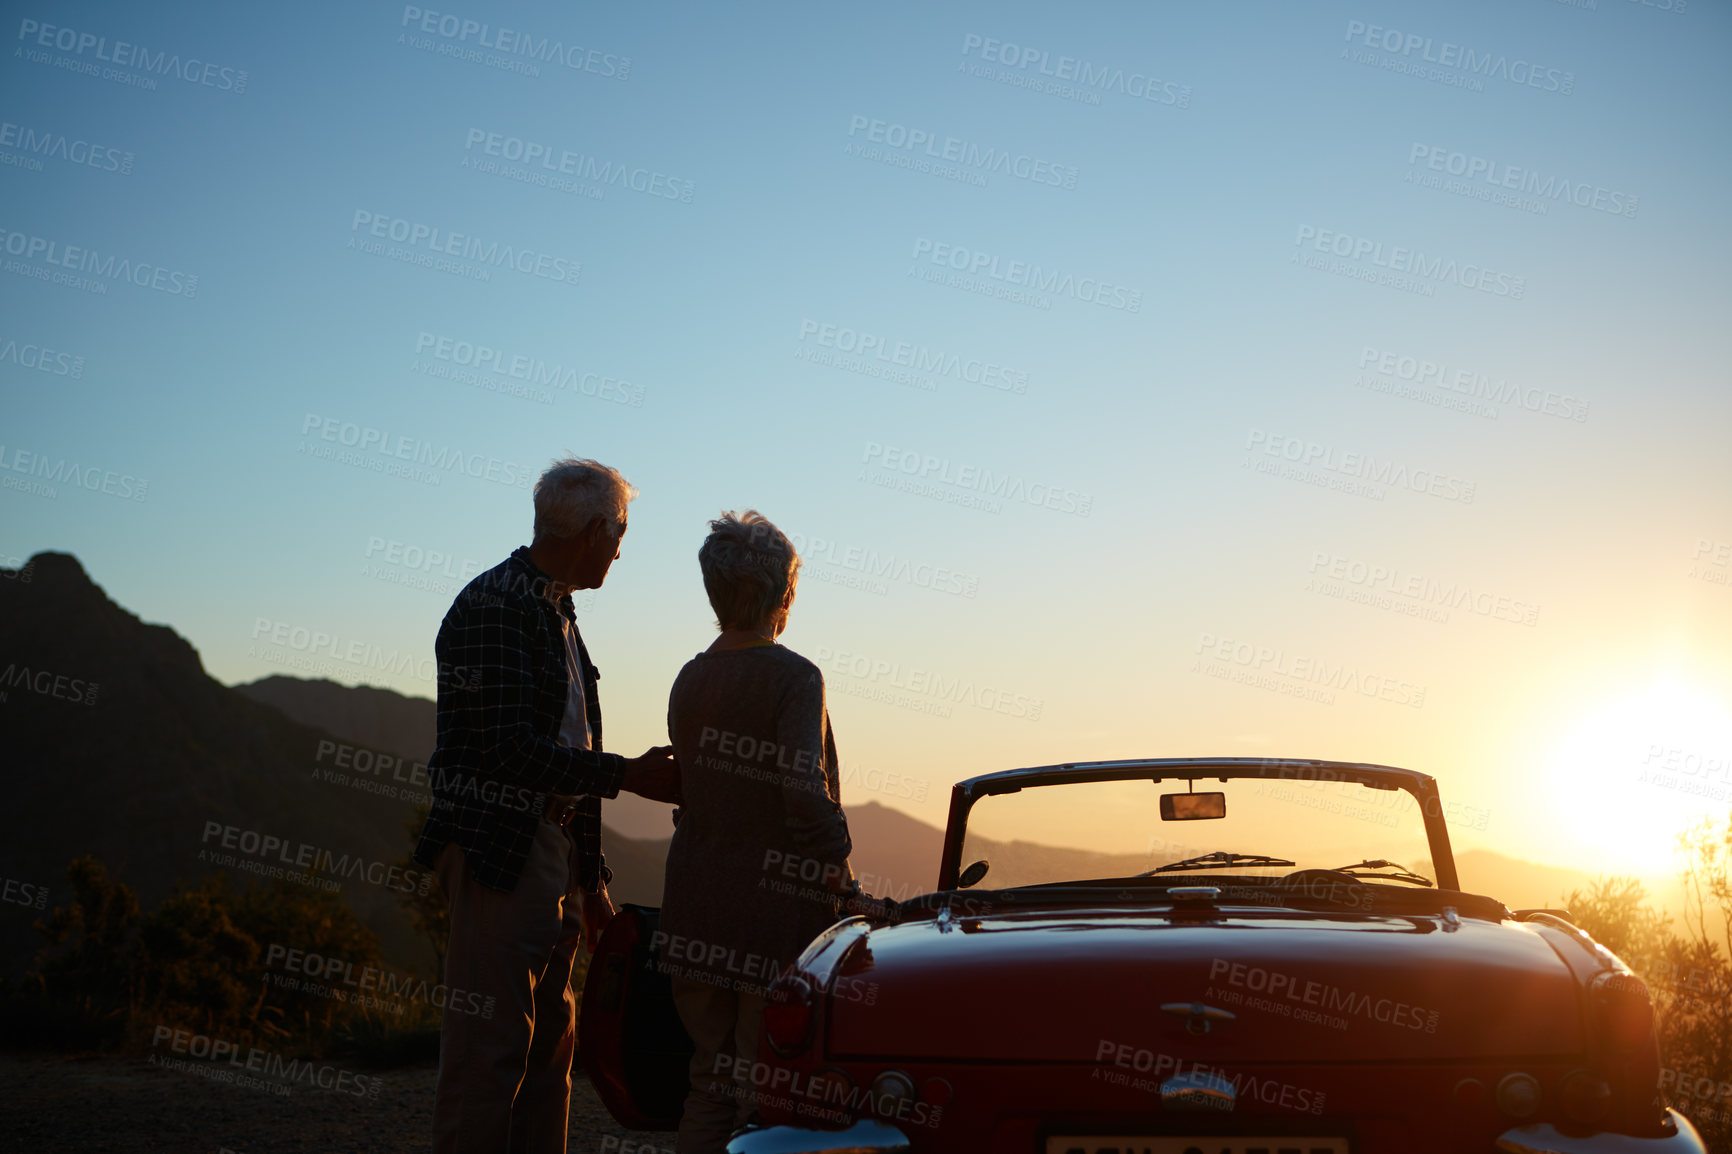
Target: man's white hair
{"x":575,"y":491}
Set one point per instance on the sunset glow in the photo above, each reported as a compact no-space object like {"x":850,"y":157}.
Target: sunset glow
{"x":1635,"y":771}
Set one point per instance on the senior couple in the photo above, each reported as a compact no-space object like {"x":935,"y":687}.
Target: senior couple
{"x":514,"y":834}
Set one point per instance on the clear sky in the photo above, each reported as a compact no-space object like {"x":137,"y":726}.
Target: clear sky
{"x":1332,"y":380}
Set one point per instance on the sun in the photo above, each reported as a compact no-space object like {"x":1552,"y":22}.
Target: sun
{"x":1638,"y":770}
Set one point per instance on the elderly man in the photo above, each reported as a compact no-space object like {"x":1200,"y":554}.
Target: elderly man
{"x":514,"y":835}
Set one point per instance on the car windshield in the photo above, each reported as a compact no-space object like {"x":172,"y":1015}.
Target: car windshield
{"x":1115,"y":829}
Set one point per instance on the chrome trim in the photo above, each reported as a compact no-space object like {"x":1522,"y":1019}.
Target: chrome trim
{"x":821,"y":958}
{"x":1197,"y":1090}
{"x":1194,"y":893}
{"x":1541,"y":1138}
{"x":1199,"y":1019}
{"x":867,"y":1136}
{"x":883,"y":1086}
{"x":1517,"y":1094}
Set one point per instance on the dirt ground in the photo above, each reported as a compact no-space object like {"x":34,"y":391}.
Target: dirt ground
{"x":129,"y":1106}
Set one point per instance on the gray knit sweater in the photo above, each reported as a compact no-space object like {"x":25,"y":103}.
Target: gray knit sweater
{"x":761,"y":826}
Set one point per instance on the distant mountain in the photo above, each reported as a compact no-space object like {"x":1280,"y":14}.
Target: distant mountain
{"x":1516,"y":883}
{"x":119,"y":744}
{"x":362,"y":714}
{"x":897,"y":856}
{"x":638,"y":867}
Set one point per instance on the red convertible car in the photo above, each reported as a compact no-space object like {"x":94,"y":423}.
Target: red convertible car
{"x":1284,"y":989}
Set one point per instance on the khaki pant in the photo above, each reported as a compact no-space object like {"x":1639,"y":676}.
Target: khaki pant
{"x":505,"y":1080}
{"x":720,"y":1022}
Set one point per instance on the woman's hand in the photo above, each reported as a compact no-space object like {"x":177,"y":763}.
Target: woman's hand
{"x":864,"y":905}
{"x":856,"y":901}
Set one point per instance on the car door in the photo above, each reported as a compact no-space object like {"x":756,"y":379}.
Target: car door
{"x":629,"y":1038}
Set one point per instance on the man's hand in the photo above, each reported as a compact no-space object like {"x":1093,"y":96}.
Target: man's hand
{"x":655,"y":775}
{"x":597,"y":912}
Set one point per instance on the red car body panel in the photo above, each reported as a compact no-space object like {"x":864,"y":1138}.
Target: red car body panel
{"x":1302,"y":988}
{"x":1405,"y":1022}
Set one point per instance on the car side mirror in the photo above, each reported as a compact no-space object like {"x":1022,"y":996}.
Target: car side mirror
{"x":1192,"y":806}
{"x":972,"y":875}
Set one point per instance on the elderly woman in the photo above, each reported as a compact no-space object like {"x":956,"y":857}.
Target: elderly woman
{"x":759,"y":860}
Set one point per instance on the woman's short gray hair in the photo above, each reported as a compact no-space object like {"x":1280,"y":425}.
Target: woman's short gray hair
{"x":575,"y":491}
{"x":750,"y":567}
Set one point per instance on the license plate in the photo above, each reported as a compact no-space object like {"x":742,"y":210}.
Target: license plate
{"x":1217,"y":1144}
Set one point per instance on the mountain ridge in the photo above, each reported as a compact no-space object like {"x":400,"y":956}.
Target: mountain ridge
{"x":119,"y":744}
{"x":122,"y":745}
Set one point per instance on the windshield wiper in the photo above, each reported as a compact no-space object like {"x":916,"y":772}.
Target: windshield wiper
{"x":1401,"y":874}
{"x":1217,"y":860}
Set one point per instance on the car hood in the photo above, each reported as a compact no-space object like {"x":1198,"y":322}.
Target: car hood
{"x":1091,"y":985}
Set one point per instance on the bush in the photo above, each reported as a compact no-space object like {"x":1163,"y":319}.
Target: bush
{"x":209,"y":959}
{"x":80,"y":996}
{"x":1690,"y":977}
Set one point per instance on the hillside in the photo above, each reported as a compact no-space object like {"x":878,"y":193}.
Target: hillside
{"x":362,"y":714}
{"x":119,"y":744}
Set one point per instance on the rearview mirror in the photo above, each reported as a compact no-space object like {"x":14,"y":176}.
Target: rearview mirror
{"x":972,"y":875}
{"x":1192,"y":806}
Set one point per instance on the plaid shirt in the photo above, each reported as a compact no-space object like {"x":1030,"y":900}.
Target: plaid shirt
{"x":503,"y":684}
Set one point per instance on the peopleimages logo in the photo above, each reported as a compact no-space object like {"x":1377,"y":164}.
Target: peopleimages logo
{"x":47,"y":683}
{"x":1326,"y":997}
{"x":284,"y":1071}
{"x":1166,"y":1069}
{"x":1411,"y":262}
{"x":920,"y":358}
{"x":320,"y":643}
{"x":91,"y":477}
{"x":1098,"y":77}
{"x":891,"y":675}
{"x":1414,"y":49}
{"x":22,"y":893}
{"x":443,"y":242}
{"x":1421,"y":589}
{"x":59,"y":146}
{"x":1499,"y":176}
{"x":460,"y":31}
{"x":882,"y":567}
{"x":305,"y":860}
{"x":111,"y":267}
{"x":488,"y":361}
{"x":379,"y":445}
{"x":126,"y":55}
{"x":1359,"y":466}
{"x":942,"y":471}
{"x":1310,"y":670}
{"x":1476,"y":385}
{"x":1035,"y":169}
{"x":1023,"y":274}
{"x":373,"y":986}
{"x":41,"y":358}
{"x":564,"y":162}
